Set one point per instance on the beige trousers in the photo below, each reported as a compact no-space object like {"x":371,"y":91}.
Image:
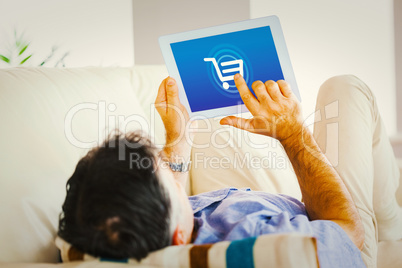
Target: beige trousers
{"x":350,"y":131}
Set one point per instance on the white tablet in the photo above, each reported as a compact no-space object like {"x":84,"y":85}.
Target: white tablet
{"x":203,"y":63}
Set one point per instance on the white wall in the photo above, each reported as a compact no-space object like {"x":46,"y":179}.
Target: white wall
{"x":154,"y":18}
{"x":324,"y":38}
{"x":95,"y":32}
{"x":327,"y":38}
{"x":398,"y":58}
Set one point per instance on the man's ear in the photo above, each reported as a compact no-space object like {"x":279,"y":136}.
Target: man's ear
{"x":178,"y":236}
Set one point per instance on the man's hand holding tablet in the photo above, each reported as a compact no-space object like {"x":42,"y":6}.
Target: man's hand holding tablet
{"x":275,"y":108}
{"x":203,"y":63}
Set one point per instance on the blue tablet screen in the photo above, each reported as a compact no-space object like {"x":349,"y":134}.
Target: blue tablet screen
{"x":207,"y":65}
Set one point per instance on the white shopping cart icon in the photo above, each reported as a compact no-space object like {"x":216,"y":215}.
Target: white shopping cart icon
{"x":224,"y":79}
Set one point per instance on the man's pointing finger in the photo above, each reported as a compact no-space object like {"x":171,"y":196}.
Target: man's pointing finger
{"x":248,"y":98}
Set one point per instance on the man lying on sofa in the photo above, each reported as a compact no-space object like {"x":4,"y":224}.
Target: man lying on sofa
{"x":117,"y":208}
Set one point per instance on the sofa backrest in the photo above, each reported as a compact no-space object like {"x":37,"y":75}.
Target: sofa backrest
{"x":49,"y":119}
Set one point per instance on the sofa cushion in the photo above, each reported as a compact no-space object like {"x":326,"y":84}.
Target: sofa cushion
{"x":49,"y":119}
{"x":223,"y":156}
{"x":146,"y":80}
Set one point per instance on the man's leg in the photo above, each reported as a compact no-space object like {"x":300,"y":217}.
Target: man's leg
{"x":353,"y":137}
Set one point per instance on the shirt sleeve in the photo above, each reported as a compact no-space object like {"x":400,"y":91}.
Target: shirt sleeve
{"x":335,"y":249}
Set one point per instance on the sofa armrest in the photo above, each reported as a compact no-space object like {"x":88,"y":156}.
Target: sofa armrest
{"x":399,"y":190}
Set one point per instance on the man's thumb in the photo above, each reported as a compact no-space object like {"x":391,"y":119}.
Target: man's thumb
{"x":236,"y":122}
{"x":172,"y":91}
{"x":225,"y":121}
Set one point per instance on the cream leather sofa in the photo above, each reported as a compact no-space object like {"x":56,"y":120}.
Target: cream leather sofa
{"x":50,"y":118}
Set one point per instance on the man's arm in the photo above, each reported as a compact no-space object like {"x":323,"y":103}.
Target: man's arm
{"x":324,"y":193}
{"x":178,"y":129}
{"x":277,"y":113}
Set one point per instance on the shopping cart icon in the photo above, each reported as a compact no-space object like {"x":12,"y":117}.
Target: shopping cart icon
{"x":224,"y":79}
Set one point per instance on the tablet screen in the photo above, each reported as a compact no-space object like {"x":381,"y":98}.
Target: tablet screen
{"x":207,"y":65}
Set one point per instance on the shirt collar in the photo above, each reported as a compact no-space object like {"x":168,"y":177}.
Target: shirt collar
{"x":201,"y":201}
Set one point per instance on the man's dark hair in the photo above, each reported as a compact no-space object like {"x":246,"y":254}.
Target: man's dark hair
{"x":114,"y":208}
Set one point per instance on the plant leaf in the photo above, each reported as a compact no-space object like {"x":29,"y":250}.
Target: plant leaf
{"x":24,"y":60}
{"x":3,"y":58}
{"x":15,"y":37}
{"x":18,"y":39}
{"x":23,"y":49}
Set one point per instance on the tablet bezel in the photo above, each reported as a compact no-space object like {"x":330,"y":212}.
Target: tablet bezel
{"x":280,"y":45}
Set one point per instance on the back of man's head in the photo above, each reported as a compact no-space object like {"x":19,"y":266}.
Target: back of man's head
{"x":114,"y":209}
